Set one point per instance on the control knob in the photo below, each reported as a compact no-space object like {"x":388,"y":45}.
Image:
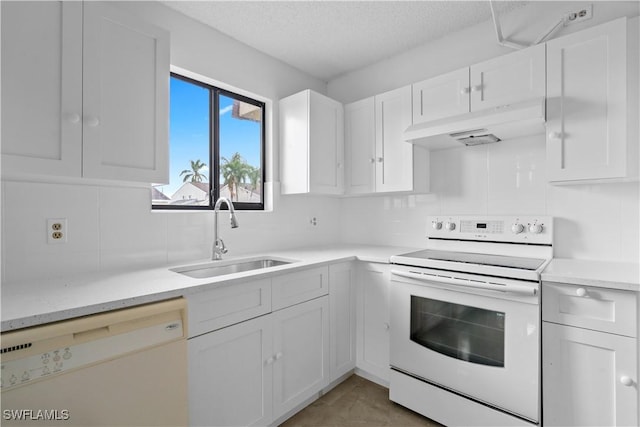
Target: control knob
{"x":450,"y":226}
{"x":535,"y":228}
{"x":437,"y":225}
{"x":517,"y":228}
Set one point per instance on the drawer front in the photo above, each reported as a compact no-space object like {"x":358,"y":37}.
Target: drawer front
{"x":301,"y":286}
{"x":228,"y":305}
{"x":606,"y":310}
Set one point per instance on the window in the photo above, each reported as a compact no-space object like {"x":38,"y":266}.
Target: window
{"x":216,"y":148}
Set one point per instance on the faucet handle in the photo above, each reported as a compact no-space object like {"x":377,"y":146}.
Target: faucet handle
{"x":221,"y":247}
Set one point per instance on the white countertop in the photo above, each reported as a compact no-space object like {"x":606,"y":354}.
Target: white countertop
{"x":32,"y":303}
{"x":602,"y":274}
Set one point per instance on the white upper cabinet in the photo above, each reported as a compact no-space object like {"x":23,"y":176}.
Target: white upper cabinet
{"x":42,"y":88}
{"x":101,"y":108}
{"x":515,"y":77}
{"x":360,"y":146}
{"x":518,"y":76}
{"x":312,"y":144}
{"x":378,"y":158}
{"x":592,"y":103}
{"x":442,"y":96}
{"x":125,"y":96}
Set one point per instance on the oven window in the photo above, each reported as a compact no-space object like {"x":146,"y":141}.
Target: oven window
{"x":466,"y":333}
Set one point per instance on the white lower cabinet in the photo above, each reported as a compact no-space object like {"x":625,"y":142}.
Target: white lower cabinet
{"x":589,"y":378}
{"x":373,"y":320}
{"x":589,"y":356}
{"x":230,"y":383}
{"x":256,"y":371}
{"x":249,"y":365}
{"x":300,"y":353}
{"x":342,"y":320}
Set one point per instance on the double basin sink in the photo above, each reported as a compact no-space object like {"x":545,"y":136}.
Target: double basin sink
{"x":221,"y":268}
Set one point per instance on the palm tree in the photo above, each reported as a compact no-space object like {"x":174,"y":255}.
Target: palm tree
{"x":193,"y":174}
{"x":234,"y":171}
{"x":255,"y":176}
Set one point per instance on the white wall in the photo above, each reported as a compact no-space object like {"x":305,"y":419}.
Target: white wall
{"x":592,"y":221}
{"x":112,"y":226}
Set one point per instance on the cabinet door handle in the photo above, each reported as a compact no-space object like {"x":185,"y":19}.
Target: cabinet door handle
{"x":465,"y":90}
{"x":278,"y":356}
{"x":380,"y":159}
{"x":73,"y":118}
{"x":386,"y":326}
{"x":555,"y":135}
{"x":92,"y":121}
{"x":581,"y":292}
{"x":476,"y":88}
{"x":372,"y":160}
{"x":626,"y":381}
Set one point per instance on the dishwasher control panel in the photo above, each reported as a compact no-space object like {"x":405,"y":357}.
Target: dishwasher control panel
{"x":20,"y":371}
{"x":25,"y":363}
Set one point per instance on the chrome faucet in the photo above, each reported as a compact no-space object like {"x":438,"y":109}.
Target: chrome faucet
{"x":218,"y":245}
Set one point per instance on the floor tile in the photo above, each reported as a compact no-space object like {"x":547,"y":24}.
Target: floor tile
{"x":357,"y":402}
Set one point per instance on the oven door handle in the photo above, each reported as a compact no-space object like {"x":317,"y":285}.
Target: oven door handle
{"x":507,"y":287}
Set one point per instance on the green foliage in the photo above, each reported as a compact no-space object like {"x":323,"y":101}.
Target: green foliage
{"x":236,"y":171}
{"x":193,"y":174}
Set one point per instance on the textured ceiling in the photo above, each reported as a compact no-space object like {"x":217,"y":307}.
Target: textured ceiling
{"x":328,"y":38}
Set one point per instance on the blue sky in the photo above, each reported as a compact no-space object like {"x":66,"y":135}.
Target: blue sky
{"x":189,"y":131}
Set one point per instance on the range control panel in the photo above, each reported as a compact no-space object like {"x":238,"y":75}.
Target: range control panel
{"x":514,"y":229}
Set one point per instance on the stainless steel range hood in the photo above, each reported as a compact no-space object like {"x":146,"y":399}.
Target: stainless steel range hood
{"x":480,"y":127}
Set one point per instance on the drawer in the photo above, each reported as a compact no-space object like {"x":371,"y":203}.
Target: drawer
{"x":599,"y":309}
{"x":294,"y":288}
{"x":227,"y":305}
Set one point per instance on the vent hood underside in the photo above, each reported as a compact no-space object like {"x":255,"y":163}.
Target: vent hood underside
{"x":480,"y":127}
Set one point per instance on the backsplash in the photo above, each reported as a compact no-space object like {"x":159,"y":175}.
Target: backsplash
{"x":596,"y":221}
{"x":113,"y":228}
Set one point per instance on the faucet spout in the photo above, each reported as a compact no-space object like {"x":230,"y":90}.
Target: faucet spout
{"x":218,"y":245}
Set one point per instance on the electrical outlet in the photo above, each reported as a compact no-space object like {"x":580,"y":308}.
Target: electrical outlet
{"x":57,"y":230}
{"x":578,"y":15}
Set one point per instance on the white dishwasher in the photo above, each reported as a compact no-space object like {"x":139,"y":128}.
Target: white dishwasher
{"x":119,"y":368}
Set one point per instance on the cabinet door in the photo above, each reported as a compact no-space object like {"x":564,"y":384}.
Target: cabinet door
{"x":373,"y":320}
{"x":342,"y":311}
{"x":41,"y":88}
{"x":301,"y":352}
{"x":360,"y":146}
{"x":394,"y":161}
{"x":230,"y":375}
{"x":125,"y":96}
{"x":518,"y":76}
{"x":326,"y":145}
{"x":584,"y":375}
{"x":586,"y":104}
{"x":442,"y":96}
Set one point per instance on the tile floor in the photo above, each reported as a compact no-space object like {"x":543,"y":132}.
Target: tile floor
{"x":357,"y":402}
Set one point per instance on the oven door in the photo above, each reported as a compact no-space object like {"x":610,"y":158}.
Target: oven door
{"x":482,"y":344}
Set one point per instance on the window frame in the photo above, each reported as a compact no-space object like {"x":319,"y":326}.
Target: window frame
{"x":214,"y":149}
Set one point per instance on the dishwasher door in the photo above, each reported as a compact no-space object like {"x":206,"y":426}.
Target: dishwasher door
{"x":121,"y":368}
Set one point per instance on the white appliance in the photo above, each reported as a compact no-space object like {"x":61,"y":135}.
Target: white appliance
{"x":465,"y":321}
{"x":480,"y":127}
{"x":119,"y":368}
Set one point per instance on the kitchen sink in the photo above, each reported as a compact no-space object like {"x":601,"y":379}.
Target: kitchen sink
{"x":221,"y":268}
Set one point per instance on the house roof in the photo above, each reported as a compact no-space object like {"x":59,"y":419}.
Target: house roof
{"x":158,"y":195}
